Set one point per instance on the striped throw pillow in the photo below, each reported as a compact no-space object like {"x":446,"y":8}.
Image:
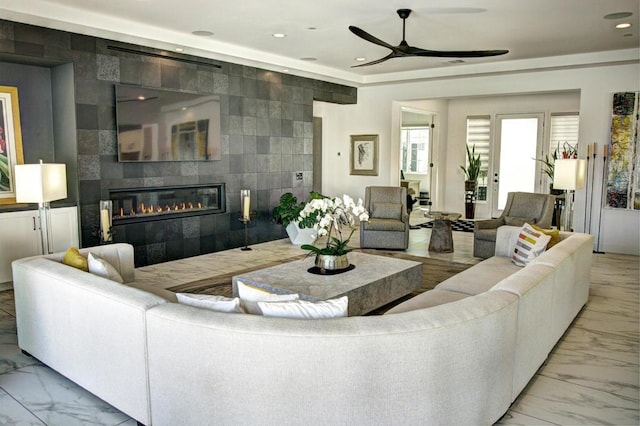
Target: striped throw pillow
{"x":530,"y":244}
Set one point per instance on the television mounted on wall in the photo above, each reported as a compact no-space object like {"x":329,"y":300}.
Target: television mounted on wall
{"x":165,"y":125}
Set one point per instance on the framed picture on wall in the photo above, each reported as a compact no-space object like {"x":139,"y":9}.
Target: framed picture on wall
{"x":10,"y":142}
{"x":364,"y":155}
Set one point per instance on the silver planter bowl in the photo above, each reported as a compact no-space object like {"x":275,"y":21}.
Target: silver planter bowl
{"x":332,"y":263}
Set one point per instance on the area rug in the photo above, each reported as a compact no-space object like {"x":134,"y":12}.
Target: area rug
{"x":434,"y":271}
{"x":462,"y":225}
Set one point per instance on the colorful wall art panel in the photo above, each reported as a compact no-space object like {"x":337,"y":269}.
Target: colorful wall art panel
{"x":623,"y":174}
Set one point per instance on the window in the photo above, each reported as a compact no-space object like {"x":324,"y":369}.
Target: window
{"x":479,"y":135}
{"x":415,"y":149}
{"x":564,"y":130}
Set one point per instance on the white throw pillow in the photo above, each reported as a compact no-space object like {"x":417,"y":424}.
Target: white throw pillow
{"x":530,"y":244}
{"x":301,"y":309}
{"x":99,"y":266}
{"x":250,"y":296}
{"x":211,"y":302}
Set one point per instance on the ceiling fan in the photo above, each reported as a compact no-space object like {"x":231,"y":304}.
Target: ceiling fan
{"x":404,"y":50}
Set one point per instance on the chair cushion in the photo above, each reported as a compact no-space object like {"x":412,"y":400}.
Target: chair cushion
{"x":375,"y":224}
{"x":387,"y":210}
{"x":518,"y":221}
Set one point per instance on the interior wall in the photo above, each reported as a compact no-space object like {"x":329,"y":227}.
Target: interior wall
{"x":378,"y":112}
{"x":35,"y":100}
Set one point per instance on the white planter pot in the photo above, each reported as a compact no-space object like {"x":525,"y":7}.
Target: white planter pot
{"x":300,"y":236}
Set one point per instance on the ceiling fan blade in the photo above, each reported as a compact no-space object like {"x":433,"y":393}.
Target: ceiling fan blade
{"x":389,"y":56}
{"x":416,"y":51}
{"x":368,"y":37}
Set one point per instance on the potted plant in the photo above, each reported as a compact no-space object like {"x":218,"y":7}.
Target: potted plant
{"x":287,"y":213}
{"x":330,"y":216}
{"x":471,"y":171}
{"x":548,"y":163}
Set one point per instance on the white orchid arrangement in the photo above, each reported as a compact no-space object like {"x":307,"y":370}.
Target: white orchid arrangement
{"x":332,"y":215}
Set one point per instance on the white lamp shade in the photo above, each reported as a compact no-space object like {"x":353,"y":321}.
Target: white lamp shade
{"x":569,"y":174}
{"x":39,"y":183}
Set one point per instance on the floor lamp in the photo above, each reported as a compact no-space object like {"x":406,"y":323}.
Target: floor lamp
{"x":41,"y":183}
{"x":569,"y":175}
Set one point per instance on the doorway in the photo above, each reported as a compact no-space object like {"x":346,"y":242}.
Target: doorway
{"x":518,"y":139}
{"x":416,"y":148}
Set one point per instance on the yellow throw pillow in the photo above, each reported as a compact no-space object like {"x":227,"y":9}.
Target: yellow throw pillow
{"x":553,"y":233}
{"x":73,"y":258}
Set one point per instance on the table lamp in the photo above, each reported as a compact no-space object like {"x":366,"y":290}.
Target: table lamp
{"x":569,"y":175}
{"x":41,"y":183}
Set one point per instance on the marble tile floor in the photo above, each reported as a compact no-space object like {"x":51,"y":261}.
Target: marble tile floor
{"x":590,"y":378}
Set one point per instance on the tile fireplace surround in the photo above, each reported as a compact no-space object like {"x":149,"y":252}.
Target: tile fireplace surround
{"x":266,"y":133}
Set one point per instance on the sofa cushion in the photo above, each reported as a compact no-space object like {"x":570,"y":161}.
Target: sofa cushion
{"x":387,"y":210}
{"x":518,"y":221}
{"x":72,"y":257}
{"x":102,"y":268}
{"x":211,"y":302}
{"x":553,"y":233}
{"x":251,"y":295}
{"x":481,"y":277}
{"x":530,"y":244}
{"x":428,"y":299}
{"x":375,"y":224}
{"x":302,"y":309}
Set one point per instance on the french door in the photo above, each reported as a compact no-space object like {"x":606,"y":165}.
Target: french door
{"x":518,"y":138}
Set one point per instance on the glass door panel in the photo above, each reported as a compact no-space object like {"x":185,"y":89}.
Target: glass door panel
{"x":519,"y":137}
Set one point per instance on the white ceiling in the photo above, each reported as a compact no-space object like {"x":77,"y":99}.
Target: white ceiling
{"x":529,"y":29}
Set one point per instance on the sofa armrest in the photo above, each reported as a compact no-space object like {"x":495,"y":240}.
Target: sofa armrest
{"x":488,"y":223}
{"x":119,"y":255}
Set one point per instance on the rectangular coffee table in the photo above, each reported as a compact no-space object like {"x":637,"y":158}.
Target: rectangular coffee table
{"x":374,"y":282}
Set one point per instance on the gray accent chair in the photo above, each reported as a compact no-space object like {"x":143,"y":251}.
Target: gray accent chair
{"x":521,"y":207}
{"x":388,"y":225}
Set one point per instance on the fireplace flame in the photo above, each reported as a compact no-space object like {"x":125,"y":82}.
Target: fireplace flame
{"x":152,"y":209}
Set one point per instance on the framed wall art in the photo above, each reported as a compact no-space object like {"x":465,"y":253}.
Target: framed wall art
{"x":364,"y":155}
{"x":10,"y":142}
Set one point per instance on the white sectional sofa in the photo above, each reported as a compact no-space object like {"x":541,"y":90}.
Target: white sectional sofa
{"x":458,"y":354}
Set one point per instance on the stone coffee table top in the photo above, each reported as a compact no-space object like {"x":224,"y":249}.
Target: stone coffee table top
{"x":375,"y":281}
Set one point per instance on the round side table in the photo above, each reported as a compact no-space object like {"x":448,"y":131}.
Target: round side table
{"x":441,"y":237}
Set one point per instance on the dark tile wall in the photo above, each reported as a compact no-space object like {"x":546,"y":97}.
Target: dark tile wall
{"x":267,"y":131}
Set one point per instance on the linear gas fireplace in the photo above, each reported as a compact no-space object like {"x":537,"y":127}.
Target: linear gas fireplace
{"x":131,"y":205}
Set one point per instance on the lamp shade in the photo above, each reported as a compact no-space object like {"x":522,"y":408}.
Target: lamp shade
{"x":40,"y":183}
{"x":569,"y":174}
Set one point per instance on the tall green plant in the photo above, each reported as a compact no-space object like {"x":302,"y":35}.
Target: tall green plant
{"x":472,"y":170}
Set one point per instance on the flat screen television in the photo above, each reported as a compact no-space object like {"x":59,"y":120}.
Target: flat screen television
{"x":166,"y":125}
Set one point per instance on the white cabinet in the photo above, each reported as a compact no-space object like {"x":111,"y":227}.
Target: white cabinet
{"x":20,"y":235}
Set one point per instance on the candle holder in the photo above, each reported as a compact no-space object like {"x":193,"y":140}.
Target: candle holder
{"x":106,"y":215}
{"x":245,"y":216}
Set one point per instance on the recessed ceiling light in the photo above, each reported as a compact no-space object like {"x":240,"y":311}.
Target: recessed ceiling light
{"x":618,"y":15}
{"x":141,"y":98}
{"x":360,"y":59}
{"x":179,"y":49}
{"x":279,"y":35}
{"x":202,"y":33}
{"x":285,"y":70}
{"x":623,"y":25}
